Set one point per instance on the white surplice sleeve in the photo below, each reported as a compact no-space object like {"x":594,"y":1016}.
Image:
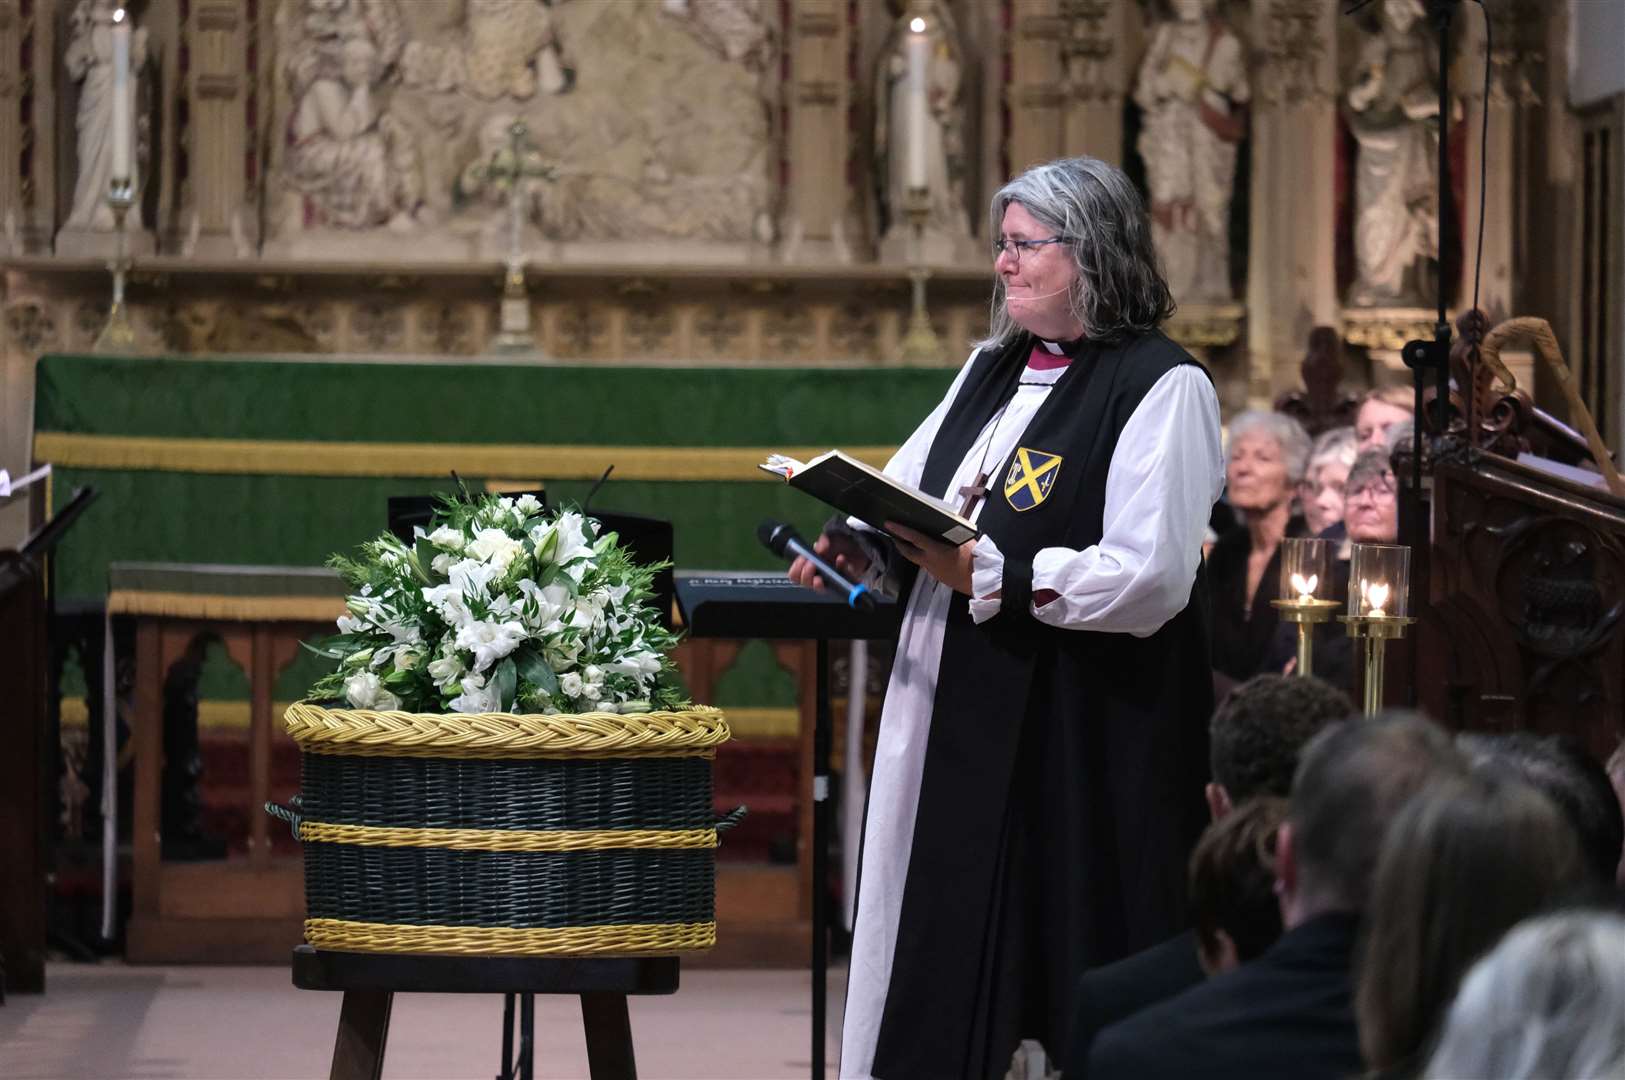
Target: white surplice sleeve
{"x":1165,"y":475}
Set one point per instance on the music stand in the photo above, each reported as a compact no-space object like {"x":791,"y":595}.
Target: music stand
{"x":769,"y":605}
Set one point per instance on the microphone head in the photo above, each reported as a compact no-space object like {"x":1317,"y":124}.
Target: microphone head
{"x":774,"y":535}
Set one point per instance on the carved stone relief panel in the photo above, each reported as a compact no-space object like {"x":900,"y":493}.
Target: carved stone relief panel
{"x":394,"y":126}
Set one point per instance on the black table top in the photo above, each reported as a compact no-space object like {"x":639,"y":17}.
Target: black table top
{"x":752,"y":604}
{"x":315,"y":969}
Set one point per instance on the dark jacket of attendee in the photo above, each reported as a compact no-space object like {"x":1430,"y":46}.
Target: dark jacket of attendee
{"x":1290,"y":1013}
{"x":1241,"y":638}
{"x":1114,"y":992}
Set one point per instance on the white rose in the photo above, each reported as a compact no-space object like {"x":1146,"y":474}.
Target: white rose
{"x":489,"y":641}
{"x":447,"y":538}
{"x":528,"y":506}
{"x":477,"y":697}
{"x":495,"y":547}
{"x":570,"y":684}
{"x":440,"y":564}
{"x":364,"y":690}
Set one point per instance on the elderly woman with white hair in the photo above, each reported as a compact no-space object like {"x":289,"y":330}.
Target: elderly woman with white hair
{"x":1268,"y":454}
{"x":1546,"y":1002}
{"x":1038,"y":774}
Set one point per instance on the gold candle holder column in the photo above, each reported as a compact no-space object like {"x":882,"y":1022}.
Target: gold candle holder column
{"x":1306,"y":570}
{"x":1379,"y":603}
{"x":118,"y":335}
{"x":920,"y":344}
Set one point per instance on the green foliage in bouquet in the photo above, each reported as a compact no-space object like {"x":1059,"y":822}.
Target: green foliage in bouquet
{"x":500,"y":607}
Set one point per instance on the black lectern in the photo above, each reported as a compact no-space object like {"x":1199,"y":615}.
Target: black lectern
{"x":769,"y":605}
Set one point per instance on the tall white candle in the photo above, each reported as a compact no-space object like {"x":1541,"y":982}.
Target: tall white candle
{"x":919,"y":61}
{"x":123,"y":114}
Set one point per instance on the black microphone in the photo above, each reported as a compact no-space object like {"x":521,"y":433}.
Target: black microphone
{"x":782,"y":540}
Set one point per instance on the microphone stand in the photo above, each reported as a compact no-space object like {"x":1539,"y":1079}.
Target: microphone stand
{"x":1421,"y":356}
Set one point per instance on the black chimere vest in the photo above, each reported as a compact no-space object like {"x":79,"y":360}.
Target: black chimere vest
{"x":1062,"y":789}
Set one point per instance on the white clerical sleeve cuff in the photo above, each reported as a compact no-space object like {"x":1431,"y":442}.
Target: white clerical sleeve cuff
{"x":986,"y":579}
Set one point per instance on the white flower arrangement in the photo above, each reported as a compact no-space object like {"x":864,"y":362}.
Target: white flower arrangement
{"x":501,"y":607}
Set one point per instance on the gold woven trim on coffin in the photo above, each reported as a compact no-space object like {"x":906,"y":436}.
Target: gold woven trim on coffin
{"x":691,"y":732}
{"x":507,"y":839}
{"x":636,"y":939}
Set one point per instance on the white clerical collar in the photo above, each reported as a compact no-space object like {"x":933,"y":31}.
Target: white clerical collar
{"x":1053,"y":348}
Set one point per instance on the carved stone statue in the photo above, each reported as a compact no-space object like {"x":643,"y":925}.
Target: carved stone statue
{"x":1393,"y":112}
{"x":1193,"y":89}
{"x":354,"y":165}
{"x":89,"y":61}
{"x":508,"y":49}
{"x":944,"y":127}
{"x":737,"y":29}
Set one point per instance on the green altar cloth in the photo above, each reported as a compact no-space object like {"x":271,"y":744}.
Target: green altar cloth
{"x":287,"y":461}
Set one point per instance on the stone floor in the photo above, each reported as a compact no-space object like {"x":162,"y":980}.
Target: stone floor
{"x":114,"y":1022}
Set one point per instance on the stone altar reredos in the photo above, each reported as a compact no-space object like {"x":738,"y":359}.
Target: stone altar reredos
{"x":663,"y":139}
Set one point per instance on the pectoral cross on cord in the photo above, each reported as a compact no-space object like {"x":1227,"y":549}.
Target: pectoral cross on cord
{"x":973,"y":492}
{"x":976,"y":490}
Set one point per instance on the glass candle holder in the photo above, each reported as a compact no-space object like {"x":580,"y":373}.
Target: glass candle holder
{"x":1306,"y":568}
{"x":1306,"y":572}
{"x":1379,"y":581}
{"x":1379,"y":607}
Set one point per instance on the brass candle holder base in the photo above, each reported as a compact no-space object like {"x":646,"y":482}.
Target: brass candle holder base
{"x":118,"y":335}
{"x":920,"y":346}
{"x":1307,"y":614}
{"x":1375,"y":631}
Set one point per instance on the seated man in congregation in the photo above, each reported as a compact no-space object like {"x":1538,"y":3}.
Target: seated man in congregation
{"x":1291,"y":1011}
{"x":1253,"y":743}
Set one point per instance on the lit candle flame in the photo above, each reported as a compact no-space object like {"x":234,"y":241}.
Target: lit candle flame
{"x":1305,"y":589}
{"x":1375,"y":597}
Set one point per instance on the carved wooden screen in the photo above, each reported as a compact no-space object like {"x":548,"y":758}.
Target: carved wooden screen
{"x":1526,"y":599}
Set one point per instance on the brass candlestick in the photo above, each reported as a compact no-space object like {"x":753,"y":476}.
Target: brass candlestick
{"x":1379,"y":598}
{"x":1306,"y":564}
{"x":119,"y":334}
{"x":920,"y":344}
{"x":1375,"y":631}
{"x":1307,"y":614}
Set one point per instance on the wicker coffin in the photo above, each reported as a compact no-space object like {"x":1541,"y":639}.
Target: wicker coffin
{"x":501,"y":834}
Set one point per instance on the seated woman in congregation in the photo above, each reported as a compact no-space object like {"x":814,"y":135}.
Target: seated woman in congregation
{"x":1370,"y":516}
{"x":1320,"y":495}
{"x":1268,"y":454}
{"x":1380,"y":410}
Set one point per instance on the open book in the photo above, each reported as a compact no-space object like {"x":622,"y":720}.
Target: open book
{"x":870,"y":495}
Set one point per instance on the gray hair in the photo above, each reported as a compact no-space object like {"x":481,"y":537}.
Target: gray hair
{"x":1544,"y":1002}
{"x":1119,"y":290}
{"x":1337,"y":445}
{"x":1287,"y":433}
{"x":1369,"y":465}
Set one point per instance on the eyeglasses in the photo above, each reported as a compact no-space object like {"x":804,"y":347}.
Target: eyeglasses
{"x":1017,"y":248}
{"x":1379,"y":488}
